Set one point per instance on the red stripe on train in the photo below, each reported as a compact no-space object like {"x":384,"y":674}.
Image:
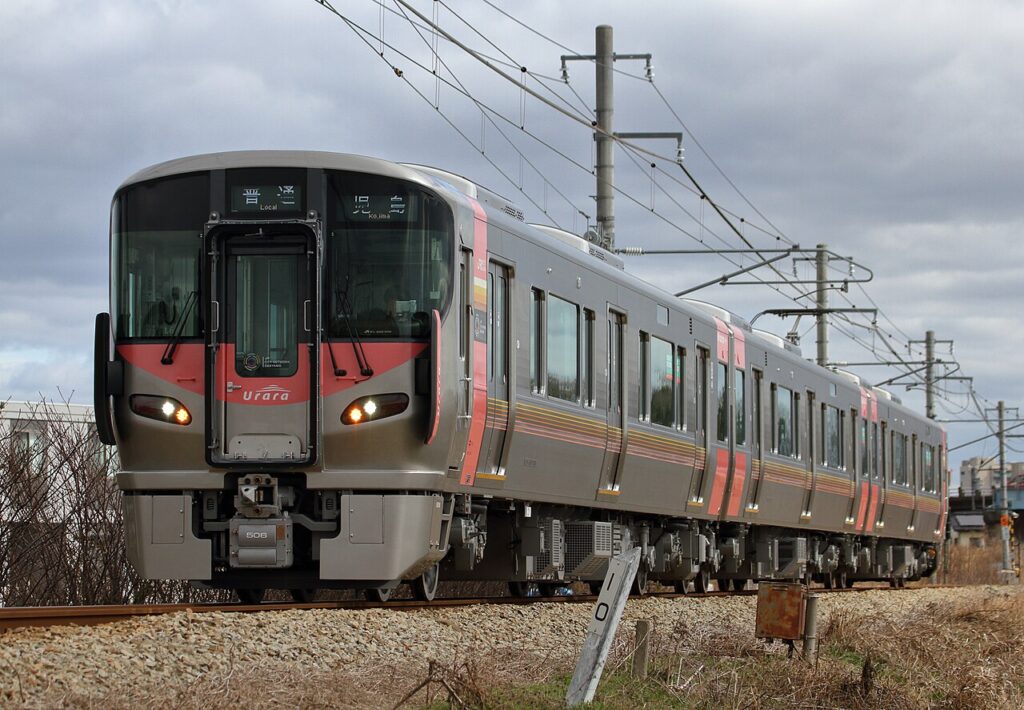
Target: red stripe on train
{"x":479,"y":290}
{"x":739,"y":477}
{"x":718,"y":485}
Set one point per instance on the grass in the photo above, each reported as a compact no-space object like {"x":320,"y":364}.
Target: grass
{"x":950,"y":655}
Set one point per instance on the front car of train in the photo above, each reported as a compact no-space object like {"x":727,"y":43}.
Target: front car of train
{"x":270,"y":369}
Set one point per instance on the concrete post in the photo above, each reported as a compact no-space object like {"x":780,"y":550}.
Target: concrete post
{"x":821,"y":261}
{"x":642,"y":649}
{"x":811,"y":629}
{"x":605,"y":72}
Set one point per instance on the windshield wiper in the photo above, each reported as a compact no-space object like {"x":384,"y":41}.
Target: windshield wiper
{"x":179,"y":325}
{"x":357,"y":345}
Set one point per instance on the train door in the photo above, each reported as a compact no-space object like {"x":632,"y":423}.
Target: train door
{"x":858,"y":465}
{"x":702,"y":383}
{"x":757,"y":444}
{"x":615,"y":414}
{"x":741,"y":437}
{"x":915,"y":480}
{"x":264,"y":344}
{"x":885,"y":476}
{"x":497,"y":369}
{"x":812,"y":454}
{"x":463,"y":306}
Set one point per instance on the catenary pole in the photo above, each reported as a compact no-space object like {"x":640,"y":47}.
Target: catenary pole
{"x":603,"y":135}
{"x":821,"y":261}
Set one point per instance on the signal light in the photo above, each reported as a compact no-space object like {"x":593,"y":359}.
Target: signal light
{"x":165,"y":409}
{"x":374,"y":407}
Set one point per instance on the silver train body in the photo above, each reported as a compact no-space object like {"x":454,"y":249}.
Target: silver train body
{"x":327,"y":370}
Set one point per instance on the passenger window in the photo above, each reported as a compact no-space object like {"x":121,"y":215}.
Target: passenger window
{"x":721,"y":394}
{"x":740,"y":397}
{"x":661,"y":380}
{"x":588,"y":357}
{"x":536,"y":318}
{"x":563,"y":350}
{"x":784,"y":422}
{"x":832,"y":444}
{"x":703,"y":360}
{"x":644,"y":384}
{"x":680,"y":390}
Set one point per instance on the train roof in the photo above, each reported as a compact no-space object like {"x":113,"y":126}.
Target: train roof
{"x":432,"y":177}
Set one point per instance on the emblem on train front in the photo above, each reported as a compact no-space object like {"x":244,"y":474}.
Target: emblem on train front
{"x":251,"y":362}
{"x":270,"y":393}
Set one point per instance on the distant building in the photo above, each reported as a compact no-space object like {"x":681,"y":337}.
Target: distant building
{"x":979,"y":477}
{"x":54,"y":494}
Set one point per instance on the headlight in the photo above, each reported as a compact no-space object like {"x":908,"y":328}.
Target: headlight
{"x":163,"y":408}
{"x":378,"y":406}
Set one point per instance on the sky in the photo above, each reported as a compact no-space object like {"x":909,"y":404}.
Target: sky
{"x":891,"y":133}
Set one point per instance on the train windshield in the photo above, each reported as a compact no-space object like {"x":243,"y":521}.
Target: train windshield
{"x":389,"y":257}
{"x":156,"y":229}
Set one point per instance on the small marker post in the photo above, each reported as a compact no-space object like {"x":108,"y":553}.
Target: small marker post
{"x":607,"y":614}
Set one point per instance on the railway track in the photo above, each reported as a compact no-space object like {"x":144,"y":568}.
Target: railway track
{"x":41,"y":616}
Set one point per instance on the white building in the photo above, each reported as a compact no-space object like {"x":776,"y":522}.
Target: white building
{"x":980,"y":476}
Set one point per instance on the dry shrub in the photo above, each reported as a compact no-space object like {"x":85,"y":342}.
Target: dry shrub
{"x":972,"y":565}
{"x":62,"y":537}
{"x":960,"y":654}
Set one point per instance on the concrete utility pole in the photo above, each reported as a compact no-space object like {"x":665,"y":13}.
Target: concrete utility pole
{"x":605,"y":144}
{"x":929,"y":376}
{"x":821,"y":261}
{"x":604,"y":132}
{"x":1007,"y":565}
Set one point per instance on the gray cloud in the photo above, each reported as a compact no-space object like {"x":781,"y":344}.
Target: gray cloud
{"x":890,"y":132}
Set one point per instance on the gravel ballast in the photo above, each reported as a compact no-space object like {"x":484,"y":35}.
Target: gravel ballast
{"x":164,"y":656}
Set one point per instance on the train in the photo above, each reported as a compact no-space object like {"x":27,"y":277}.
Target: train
{"x":330,"y":371}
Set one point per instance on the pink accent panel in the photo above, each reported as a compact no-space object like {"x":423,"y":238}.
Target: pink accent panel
{"x":863,"y":507}
{"x":718,"y":485}
{"x":740,"y":345}
{"x":873,"y":507}
{"x":187,"y":371}
{"x":435,"y":323}
{"x":739,"y":477}
{"x":874,"y":407}
{"x":479,"y":290}
{"x":863,"y":403}
{"x":381,"y":356}
{"x":722,"y":341}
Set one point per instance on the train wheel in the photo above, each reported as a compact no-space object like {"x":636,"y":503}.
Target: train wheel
{"x":724,"y":585}
{"x":841,"y":581}
{"x":250,"y":595}
{"x":304,"y":596}
{"x":739,"y":584}
{"x":549,"y":589}
{"x":829,"y":579}
{"x":680,"y":587}
{"x":378,"y":594}
{"x":702,"y":582}
{"x":519,"y":589}
{"x":424,"y":587}
{"x":849,"y":581}
{"x":640,"y":581}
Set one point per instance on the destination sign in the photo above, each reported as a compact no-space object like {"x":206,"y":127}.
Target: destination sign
{"x":266,"y":198}
{"x":378,"y":208}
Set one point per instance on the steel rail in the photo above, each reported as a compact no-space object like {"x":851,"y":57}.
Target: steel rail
{"x":43,"y":616}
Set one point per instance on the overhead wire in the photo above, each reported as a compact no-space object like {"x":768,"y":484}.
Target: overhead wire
{"x":427,"y":25}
